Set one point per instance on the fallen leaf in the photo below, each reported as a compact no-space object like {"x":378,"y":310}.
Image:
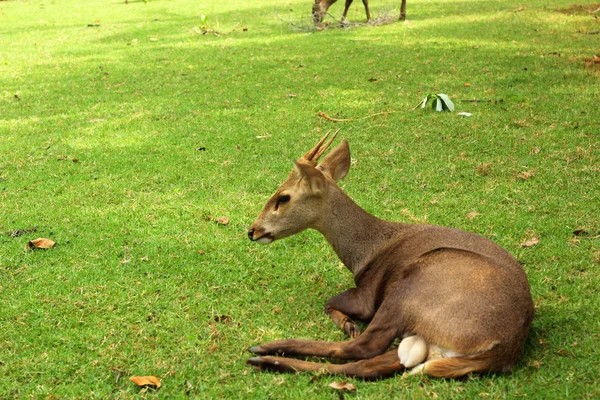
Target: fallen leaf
{"x":525,"y":175}
{"x":146,"y":381}
{"x":41,"y":243}
{"x":342,"y":386}
{"x":472,"y":215}
{"x":535,"y":364}
{"x":531,"y":242}
{"x":222,"y":220}
{"x":483,"y":169}
{"x":467,"y":85}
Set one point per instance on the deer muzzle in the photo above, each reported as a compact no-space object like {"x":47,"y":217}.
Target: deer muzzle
{"x":257,"y":237}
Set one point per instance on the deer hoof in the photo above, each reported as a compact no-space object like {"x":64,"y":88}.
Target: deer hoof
{"x":257,"y":350}
{"x":352,"y":330}
{"x":255,"y":362}
{"x":269,"y":364}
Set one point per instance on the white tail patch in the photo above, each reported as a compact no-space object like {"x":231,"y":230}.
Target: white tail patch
{"x":412,"y":351}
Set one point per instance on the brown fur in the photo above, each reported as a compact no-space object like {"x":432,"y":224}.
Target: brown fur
{"x":459,"y":291}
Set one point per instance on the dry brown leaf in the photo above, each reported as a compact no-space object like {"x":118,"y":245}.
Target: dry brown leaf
{"x":535,"y":364}
{"x":531,"y":242}
{"x":41,"y":243}
{"x":526,"y":174}
{"x":146,"y":381}
{"x":483,"y":169}
{"x":472,"y":215}
{"x":342,"y":386}
{"x":467,"y":84}
{"x":222,"y":220}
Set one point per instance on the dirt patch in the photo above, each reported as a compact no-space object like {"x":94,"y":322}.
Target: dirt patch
{"x":580,"y":9}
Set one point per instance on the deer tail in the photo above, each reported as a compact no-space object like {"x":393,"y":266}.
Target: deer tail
{"x":454,"y":367}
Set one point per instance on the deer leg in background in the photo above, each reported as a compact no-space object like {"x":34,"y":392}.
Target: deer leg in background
{"x":344,"y":322}
{"x":352,"y":303}
{"x":382,"y":366}
{"x":403,"y":10}
{"x":348,"y":3}
{"x":366,"y":3}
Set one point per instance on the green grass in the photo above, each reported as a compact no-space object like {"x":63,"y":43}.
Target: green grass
{"x":100,"y":131}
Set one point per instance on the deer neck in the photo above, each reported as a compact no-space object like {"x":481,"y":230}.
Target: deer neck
{"x":355,"y":235}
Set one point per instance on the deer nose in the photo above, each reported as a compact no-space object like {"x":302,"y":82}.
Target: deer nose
{"x":251,"y":234}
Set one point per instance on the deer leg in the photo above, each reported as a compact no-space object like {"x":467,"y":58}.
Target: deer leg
{"x":373,"y":342}
{"x":347,"y":305}
{"x":382,"y":366}
{"x":366,"y":3}
{"x":348,"y":3}
{"x":344,"y":322}
{"x":403,"y":10}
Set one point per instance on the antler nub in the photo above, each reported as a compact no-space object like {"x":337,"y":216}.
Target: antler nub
{"x":313,"y":154}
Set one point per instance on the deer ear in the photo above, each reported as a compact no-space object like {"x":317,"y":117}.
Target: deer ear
{"x":337,"y":163}
{"x":309,"y":174}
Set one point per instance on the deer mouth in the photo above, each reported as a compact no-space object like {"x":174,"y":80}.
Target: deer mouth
{"x":264,"y":239}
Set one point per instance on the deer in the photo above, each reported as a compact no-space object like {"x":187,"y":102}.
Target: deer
{"x":320,"y":7}
{"x":456,"y":302}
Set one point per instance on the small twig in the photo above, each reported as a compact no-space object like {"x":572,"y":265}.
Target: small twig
{"x":324,"y":115}
{"x":118,"y":374}
{"x":475,"y":101}
{"x":418,"y":105}
{"x":304,"y":27}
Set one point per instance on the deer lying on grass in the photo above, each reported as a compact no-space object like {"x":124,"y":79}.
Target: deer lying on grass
{"x":458,"y":302}
{"x":320,"y":8}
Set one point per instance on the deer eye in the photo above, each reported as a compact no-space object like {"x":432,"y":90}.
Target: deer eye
{"x":281,"y":200}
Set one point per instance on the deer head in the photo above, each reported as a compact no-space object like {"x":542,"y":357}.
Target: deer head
{"x":301,"y":201}
{"x":319,"y":10}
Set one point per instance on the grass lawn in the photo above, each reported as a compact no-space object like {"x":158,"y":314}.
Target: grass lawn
{"x":126,"y":130}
